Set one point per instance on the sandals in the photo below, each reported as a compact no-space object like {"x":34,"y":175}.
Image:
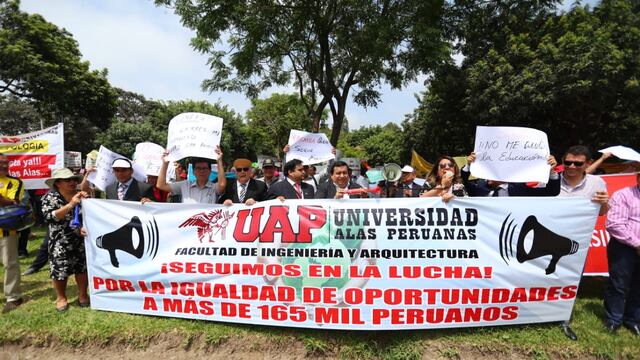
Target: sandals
{"x":62,"y":305}
{"x":85,"y":304}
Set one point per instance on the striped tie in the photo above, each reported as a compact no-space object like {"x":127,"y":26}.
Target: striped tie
{"x":122,"y":189}
{"x":243,"y":192}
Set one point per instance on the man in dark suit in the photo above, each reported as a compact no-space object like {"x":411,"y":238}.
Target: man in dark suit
{"x":494,"y":188}
{"x":126,"y":187}
{"x":243,"y":189}
{"x":407,"y":187}
{"x":340,"y":182}
{"x":292,"y":186}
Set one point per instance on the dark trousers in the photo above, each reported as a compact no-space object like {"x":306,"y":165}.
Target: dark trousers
{"x":23,"y":239}
{"x":622,"y":295}
{"x":43,"y":253}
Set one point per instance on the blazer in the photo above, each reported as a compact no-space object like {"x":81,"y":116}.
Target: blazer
{"x":283,"y":188}
{"x":327,"y":190}
{"x":135,"y":192}
{"x":415,"y":190}
{"x":256,"y":190}
{"x":482,"y":188}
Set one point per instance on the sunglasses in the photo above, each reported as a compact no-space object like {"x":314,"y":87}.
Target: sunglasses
{"x":575,"y":163}
{"x":446,"y":166}
{"x":242,"y":169}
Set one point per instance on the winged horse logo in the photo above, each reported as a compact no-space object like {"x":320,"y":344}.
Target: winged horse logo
{"x":209,"y":223}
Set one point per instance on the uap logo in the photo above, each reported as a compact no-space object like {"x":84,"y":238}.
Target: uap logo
{"x":133,"y":238}
{"x":534,"y":241}
{"x":209,"y":223}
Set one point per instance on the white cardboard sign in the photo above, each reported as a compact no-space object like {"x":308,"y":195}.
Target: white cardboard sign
{"x":194,"y":134}
{"x":103,"y":176}
{"x":149,"y":156}
{"x":622,"y":152}
{"x":512,"y":154}
{"x":311,"y":148}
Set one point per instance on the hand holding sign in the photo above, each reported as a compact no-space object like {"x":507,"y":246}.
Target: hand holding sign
{"x":511,"y":154}
{"x":193,"y":134}
{"x":311,"y":148}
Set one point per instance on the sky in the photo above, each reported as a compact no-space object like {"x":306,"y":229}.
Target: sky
{"x":146,"y":50}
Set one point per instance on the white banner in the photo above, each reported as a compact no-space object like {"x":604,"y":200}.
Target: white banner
{"x":103,"y":176}
{"x":149,"y":156}
{"x":194,"y":134}
{"x":311,"y":148}
{"x":32,"y":156}
{"x":512,"y":154}
{"x":368,"y":264}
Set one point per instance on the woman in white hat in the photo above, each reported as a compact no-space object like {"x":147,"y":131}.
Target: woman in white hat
{"x":66,"y":245}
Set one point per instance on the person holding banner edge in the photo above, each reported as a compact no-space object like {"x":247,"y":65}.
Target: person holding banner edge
{"x":200,"y":191}
{"x":66,"y":245}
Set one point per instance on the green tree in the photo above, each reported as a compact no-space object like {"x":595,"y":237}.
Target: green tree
{"x":122,"y":137}
{"x":326,"y":48}
{"x":41,"y":63}
{"x":271,"y":120}
{"x":576,"y":78}
{"x":374,"y":144}
{"x":18,"y":116}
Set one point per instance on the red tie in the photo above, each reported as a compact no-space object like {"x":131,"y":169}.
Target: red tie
{"x":298,"y":191}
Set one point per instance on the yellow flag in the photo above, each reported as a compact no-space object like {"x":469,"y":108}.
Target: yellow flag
{"x":420,"y":165}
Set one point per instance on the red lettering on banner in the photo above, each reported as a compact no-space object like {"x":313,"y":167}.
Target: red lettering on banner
{"x":11,"y":140}
{"x":112,"y":284}
{"x":368,"y":272}
{"x":31,"y":166}
{"x":314,"y":295}
{"x":278,"y":222}
{"x":189,"y":306}
{"x":338,"y":315}
{"x":311,"y":217}
{"x":150,"y":304}
{"x":324,"y":271}
{"x":155,"y":288}
{"x":235,"y":310}
{"x":443,"y":315}
{"x":254,"y":226}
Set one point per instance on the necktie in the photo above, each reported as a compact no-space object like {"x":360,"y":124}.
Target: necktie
{"x":243,"y":192}
{"x":122,"y":189}
{"x":298,"y":191}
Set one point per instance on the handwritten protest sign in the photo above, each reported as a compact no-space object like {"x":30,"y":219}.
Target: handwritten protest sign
{"x":512,"y":154}
{"x":72,"y":159}
{"x":622,"y":152}
{"x":149,"y":156}
{"x":311,"y":148}
{"x":103,"y":176}
{"x":193,"y":134}
{"x":32,"y":156}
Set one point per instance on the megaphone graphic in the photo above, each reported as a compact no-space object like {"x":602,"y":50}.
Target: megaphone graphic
{"x":128,"y":238}
{"x":542,"y":242}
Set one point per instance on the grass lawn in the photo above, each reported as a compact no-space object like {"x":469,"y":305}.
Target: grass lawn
{"x":37,"y":323}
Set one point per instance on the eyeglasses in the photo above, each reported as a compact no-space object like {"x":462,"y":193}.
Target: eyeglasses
{"x":200,"y":168}
{"x":242,"y":169}
{"x":446,"y":166}
{"x":574,"y":163}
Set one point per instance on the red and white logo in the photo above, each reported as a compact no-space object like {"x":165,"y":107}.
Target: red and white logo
{"x":209,"y":223}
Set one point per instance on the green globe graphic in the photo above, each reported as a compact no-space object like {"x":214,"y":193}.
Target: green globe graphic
{"x":323,"y":238}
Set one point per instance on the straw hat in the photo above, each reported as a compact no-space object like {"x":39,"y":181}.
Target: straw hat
{"x":63,"y":173}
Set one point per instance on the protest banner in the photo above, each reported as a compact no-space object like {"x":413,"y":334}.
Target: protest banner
{"x":597,"y":264}
{"x":311,"y":148}
{"x":511,"y":154}
{"x":103,"y":176}
{"x":149,"y":156}
{"x":72,"y":159}
{"x":32,"y":156}
{"x":194,"y":134}
{"x":329,"y":264}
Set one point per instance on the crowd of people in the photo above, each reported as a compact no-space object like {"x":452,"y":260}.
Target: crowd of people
{"x":64,"y":244}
